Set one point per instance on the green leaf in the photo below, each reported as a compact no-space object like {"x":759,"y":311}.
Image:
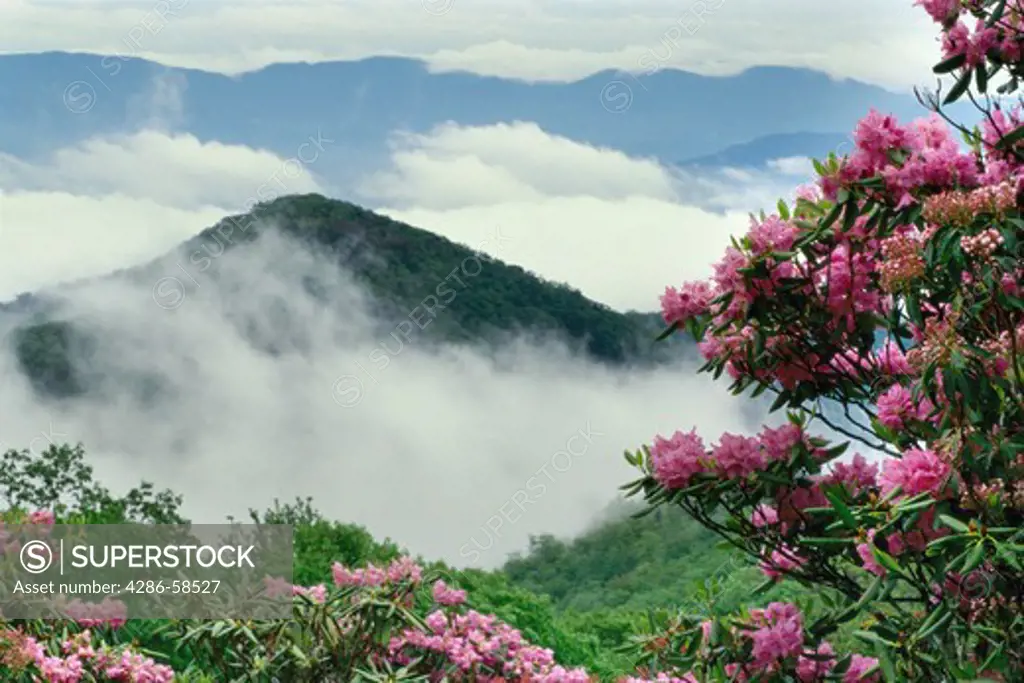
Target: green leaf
{"x":841,"y":509}
{"x":1010,"y":139}
{"x":996,"y":15}
{"x":783,"y":210}
{"x":885,"y":663}
{"x":825,"y":540}
{"x":951,"y":64}
{"x":781,"y":400}
{"x":960,"y":88}
{"x":886,"y":560}
{"x":832,"y":216}
{"x":872,"y":637}
{"x":938,"y":618}
{"x":954,"y":524}
{"x":630,"y":490}
{"x":836,"y":451}
{"x":976,"y":557}
{"x":850,"y":217}
{"x":668,"y":332}
{"x":917,"y":505}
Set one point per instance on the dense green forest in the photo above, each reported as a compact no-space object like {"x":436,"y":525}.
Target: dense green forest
{"x":399,"y":265}
{"x":608,"y":581}
{"x":623,"y":562}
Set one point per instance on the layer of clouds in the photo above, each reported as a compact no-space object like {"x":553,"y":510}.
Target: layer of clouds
{"x":174,"y":170}
{"x":456,"y":166}
{"x":117,"y":201}
{"x":49,"y":237}
{"x":617,"y":228}
{"x":877,"y":41}
{"x":460,"y":454}
{"x":436,"y":446}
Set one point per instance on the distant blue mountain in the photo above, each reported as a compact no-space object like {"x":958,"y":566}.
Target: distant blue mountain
{"x":671,"y":114}
{"x":758,"y":152}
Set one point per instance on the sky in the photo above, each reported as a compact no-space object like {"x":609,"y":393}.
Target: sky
{"x":878,"y":41}
{"x":435,"y":450}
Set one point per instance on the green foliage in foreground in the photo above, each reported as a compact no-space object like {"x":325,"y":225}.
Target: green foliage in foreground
{"x":579,"y":626}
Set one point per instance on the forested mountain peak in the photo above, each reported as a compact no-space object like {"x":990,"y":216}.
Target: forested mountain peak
{"x":401,"y":267}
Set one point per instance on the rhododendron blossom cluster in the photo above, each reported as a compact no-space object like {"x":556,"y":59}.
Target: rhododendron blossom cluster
{"x":79,"y":659}
{"x":474,"y":642}
{"x":458,"y":643}
{"x":883,"y":308}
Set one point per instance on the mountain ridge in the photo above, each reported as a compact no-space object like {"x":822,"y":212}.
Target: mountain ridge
{"x":760,"y":150}
{"x":60,"y":99}
{"x":400,"y":265}
{"x":423,"y":65}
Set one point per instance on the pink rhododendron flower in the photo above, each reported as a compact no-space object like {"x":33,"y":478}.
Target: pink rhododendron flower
{"x":891,"y":360}
{"x":676,"y":460}
{"x":812,"y":670}
{"x":80,"y":661}
{"x":780,"y":562}
{"x":942,"y":11}
{"x":897,"y":406}
{"x":960,"y":41}
{"x":691,"y":301}
{"x":780,"y":633}
{"x":402,"y":569}
{"x":737,"y":456}
{"x":315,"y":593}
{"x":44,"y":517}
{"x":772,"y":234}
{"x":857,"y":476}
{"x":764,"y":515}
{"x":810,"y":192}
{"x":916,"y":540}
{"x":443,"y":595}
{"x":859,"y":668}
{"x":473,"y":640}
{"x":778,"y":444}
{"x":918,"y":471}
{"x":727,"y":275}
